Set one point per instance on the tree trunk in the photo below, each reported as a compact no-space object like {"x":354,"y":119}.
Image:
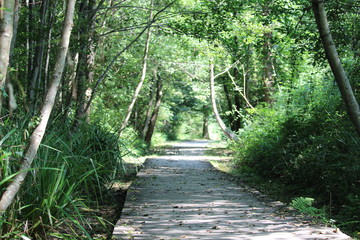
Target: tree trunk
{"x":268,"y":73}
{"x":226,"y":131}
{"x":38,"y":134}
{"x":11,"y":96}
{"x":142,"y":79}
{"x":205,"y":130}
{"x":230,"y":117}
{"x":236,"y":125}
{"x":37,"y":59}
{"x":50,"y":22}
{"x":152,"y":123}
{"x":237,"y":116}
{"x":30,"y":52}
{"x":332,"y":56}
{"x":15,"y":26}
{"x":149,"y":110}
{"x":85,"y":73}
{"x":6,"y":33}
{"x":72,"y":63}
{"x":268,"y":70}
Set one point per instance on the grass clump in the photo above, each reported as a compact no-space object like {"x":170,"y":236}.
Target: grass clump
{"x":68,"y":180}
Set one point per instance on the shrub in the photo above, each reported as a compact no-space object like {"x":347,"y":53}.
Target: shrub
{"x":310,"y":145}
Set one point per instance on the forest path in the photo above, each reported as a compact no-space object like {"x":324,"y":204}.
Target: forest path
{"x":181,"y":196}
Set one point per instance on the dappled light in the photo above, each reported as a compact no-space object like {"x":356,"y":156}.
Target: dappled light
{"x":183,"y":196}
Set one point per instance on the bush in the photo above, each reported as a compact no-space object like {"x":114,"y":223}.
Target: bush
{"x":311,"y":146}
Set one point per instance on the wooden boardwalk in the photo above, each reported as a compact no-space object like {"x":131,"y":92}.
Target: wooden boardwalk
{"x":183,"y":197}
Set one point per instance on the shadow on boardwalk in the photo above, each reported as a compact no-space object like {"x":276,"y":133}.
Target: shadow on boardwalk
{"x":183,"y":197}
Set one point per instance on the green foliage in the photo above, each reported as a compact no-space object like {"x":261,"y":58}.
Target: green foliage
{"x":305,"y":140}
{"x":305,"y":205}
{"x":131,"y":143}
{"x":71,"y":171}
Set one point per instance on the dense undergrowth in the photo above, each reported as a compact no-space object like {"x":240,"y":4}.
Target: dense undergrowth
{"x":307,"y":145}
{"x":70,"y":177}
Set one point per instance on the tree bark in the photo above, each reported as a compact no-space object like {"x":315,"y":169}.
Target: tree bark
{"x":37,"y":59}
{"x":333,"y":58}
{"x":50,"y":22}
{"x":205,"y":130}
{"x":85,"y":73}
{"x":150,"y":108}
{"x":15,"y":26}
{"x":72,"y":63}
{"x":221,"y":123}
{"x":152,"y":123}
{"x":30,"y":52}
{"x":11,"y":95}
{"x":234,"y":117}
{"x":268,"y":70}
{"x":36,"y":137}
{"x":6,"y":33}
{"x":268,"y":73}
{"x":143,"y":76}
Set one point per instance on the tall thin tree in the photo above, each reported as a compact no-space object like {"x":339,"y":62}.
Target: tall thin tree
{"x":155,"y":113}
{"x":221,"y":123}
{"x":333,"y":58}
{"x":143,"y":75}
{"x":6,"y":33}
{"x":37,"y":135}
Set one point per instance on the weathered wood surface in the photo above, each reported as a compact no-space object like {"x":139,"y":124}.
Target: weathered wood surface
{"x":183,"y":197}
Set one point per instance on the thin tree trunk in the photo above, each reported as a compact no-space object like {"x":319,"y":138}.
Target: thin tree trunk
{"x":205,"y":130}
{"x":72,"y":64}
{"x":36,"y":137}
{"x":332,"y":56}
{"x":268,"y":74}
{"x":6,"y":33}
{"x":107,"y":69}
{"x":234,"y":118}
{"x":221,"y":123}
{"x":15,"y":26}
{"x":85,"y":73}
{"x":143,"y":75}
{"x":149,"y":110}
{"x":30,"y":53}
{"x":50,"y":21}
{"x":227,"y":96}
{"x":152,"y":123}
{"x":268,"y":70}
{"x":37,"y":60}
{"x":238,"y":105}
{"x":246,"y":79}
{"x":11,"y":95}
{"x":231,"y":107}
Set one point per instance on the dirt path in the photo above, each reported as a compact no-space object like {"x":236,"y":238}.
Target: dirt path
{"x":183,"y":197}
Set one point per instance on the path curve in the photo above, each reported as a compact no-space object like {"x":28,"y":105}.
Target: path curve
{"x":181,"y":196}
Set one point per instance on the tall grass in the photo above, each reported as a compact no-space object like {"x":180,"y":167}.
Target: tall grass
{"x":69,"y":173}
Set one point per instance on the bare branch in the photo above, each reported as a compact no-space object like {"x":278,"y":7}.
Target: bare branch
{"x":129,"y":28}
{"x":237,"y":88}
{"x":226,"y":70}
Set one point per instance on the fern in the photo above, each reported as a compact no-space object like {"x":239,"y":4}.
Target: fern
{"x":305,"y":205}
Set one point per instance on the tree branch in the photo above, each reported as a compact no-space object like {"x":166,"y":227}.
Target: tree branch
{"x":226,"y":70}
{"x":103,"y":75}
